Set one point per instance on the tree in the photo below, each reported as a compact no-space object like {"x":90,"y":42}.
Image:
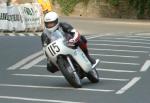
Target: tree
{"x":141,"y":6}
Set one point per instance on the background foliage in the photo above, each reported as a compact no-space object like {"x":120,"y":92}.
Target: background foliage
{"x":67,"y":6}
{"x":113,"y":2}
{"x":141,"y":7}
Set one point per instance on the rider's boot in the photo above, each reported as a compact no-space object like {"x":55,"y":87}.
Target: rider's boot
{"x":92,"y":60}
{"x":51,"y":67}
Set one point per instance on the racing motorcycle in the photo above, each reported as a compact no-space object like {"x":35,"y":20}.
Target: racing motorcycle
{"x":70,"y":60}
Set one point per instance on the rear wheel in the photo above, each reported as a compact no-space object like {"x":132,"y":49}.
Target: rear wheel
{"x":93,"y":76}
{"x":71,"y":76}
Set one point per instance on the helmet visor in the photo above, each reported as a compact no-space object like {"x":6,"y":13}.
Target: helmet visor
{"x":51,"y":24}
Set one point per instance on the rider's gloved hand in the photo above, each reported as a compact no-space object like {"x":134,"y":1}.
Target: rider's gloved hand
{"x":73,"y":41}
{"x":76,"y":36}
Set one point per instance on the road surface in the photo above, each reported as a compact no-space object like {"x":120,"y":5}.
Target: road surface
{"x":123,"y":69}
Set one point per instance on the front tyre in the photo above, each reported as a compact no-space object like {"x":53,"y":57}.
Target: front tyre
{"x":93,"y":76}
{"x":70,"y":75}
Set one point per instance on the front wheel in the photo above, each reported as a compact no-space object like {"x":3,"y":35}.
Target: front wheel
{"x":70,"y":75}
{"x":93,"y":76}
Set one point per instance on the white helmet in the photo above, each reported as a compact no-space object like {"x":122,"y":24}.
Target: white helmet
{"x":51,"y":21}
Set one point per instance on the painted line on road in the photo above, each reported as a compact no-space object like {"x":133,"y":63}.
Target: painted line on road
{"x":132,"y":39}
{"x":122,"y":63}
{"x":21,"y":34}
{"x":61,"y":88}
{"x":121,"y":56}
{"x":11,"y":34}
{"x":25,"y":60}
{"x":40,"y":66}
{"x":115,"y":45}
{"x":114,"y":41}
{"x":35,"y":61}
{"x":36,"y":99}
{"x":143,"y":34}
{"x":92,"y":37}
{"x":146,"y":66}
{"x":130,"y":51}
{"x":99,"y":69}
{"x":114,"y":70}
{"x":39,"y":34}
{"x":128,"y":85}
{"x":55,"y":76}
{"x":138,"y":36}
{"x":1,"y":34}
{"x":132,"y":35}
{"x":31,"y":34}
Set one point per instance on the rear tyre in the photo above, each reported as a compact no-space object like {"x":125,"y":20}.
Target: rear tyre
{"x":70,"y":75}
{"x":93,"y":76}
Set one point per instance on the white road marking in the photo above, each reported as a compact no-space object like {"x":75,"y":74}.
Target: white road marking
{"x":138,"y":36}
{"x":36,"y":99}
{"x":131,"y":35}
{"x":114,"y":79}
{"x":143,"y":34}
{"x":129,"y":85}
{"x":114,"y":70}
{"x":35,"y":61}
{"x":25,"y":60}
{"x":132,"y":39}
{"x":130,"y":51}
{"x":11,"y":34}
{"x":31,"y":34}
{"x":1,"y":34}
{"x":99,"y":69}
{"x":61,"y":88}
{"x":21,"y":34}
{"x":113,"y":41}
{"x":122,"y":56}
{"x":122,"y":63}
{"x":146,"y":66}
{"x":40,"y":66}
{"x":55,"y":76}
{"x":91,"y":37}
{"x":39,"y":34}
{"x":116,"y":45}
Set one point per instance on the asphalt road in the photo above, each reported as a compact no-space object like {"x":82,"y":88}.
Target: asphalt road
{"x":106,"y":25}
{"x":124,"y":71}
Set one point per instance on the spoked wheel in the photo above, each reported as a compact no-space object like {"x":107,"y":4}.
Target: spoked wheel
{"x":93,"y":76}
{"x":71,"y":76}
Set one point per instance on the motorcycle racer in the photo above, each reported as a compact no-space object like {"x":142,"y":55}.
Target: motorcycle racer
{"x":51,"y":21}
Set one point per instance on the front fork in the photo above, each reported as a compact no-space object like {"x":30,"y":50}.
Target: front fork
{"x":72,"y":70}
{"x":70,"y":62}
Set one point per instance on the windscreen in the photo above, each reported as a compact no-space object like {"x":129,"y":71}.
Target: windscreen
{"x":57,"y":35}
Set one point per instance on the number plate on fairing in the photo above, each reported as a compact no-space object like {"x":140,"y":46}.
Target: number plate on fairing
{"x":53,"y":49}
